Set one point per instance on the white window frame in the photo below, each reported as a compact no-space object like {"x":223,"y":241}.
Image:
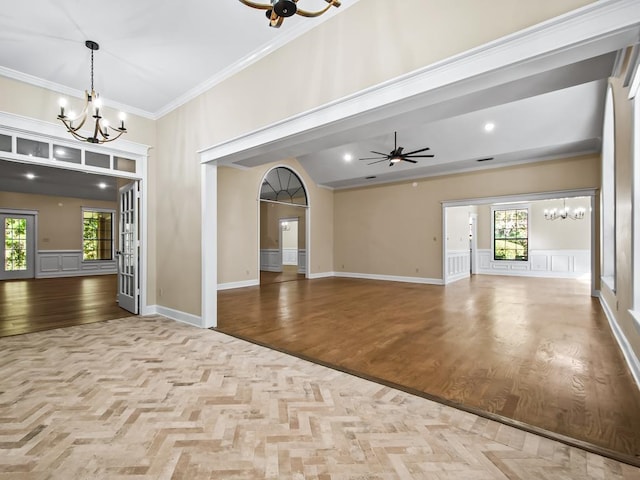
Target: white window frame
{"x":510,"y":206}
{"x":114,"y":219}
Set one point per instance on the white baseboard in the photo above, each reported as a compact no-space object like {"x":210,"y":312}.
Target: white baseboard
{"x":176,"y":315}
{"x":231,"y":285}
{"x":390,"y":278}
{"x":459,"y":276}
{"x":315,"y":276}
{"x":629,"y":355}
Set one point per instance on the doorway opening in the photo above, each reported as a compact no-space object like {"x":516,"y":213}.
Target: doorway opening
{"x":283,"y":222}
{"x":548,"y":235}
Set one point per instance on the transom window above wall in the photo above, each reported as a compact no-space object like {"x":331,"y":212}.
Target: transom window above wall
{"x":283,"y":185}
{"x":510,"y":233}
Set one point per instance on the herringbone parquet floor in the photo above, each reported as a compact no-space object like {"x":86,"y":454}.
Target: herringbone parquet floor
{"x":149,"y":398}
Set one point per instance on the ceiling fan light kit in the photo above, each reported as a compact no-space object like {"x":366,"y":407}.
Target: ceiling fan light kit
{"x":277,"y":10}
{"x":398,"y":155}
{"x":101,"y":129}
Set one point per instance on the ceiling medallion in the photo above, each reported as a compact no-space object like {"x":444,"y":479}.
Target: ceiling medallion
{"x":101,"y":131}
{"x":278,"y":10}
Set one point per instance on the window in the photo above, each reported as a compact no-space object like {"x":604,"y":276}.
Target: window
{"x":97,"y":234}
{"x":511,"y":234}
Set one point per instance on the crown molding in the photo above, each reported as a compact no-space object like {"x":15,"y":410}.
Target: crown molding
{"x":71,"y":92}
{"x":250,"y":59}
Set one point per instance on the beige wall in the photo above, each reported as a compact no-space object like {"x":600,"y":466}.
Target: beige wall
{"x":270,"y":215}
{"x":59,"y":218}
{"x":621,"y":301}
{"x":397,"y":229}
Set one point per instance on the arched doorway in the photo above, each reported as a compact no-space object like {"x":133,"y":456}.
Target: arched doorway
{"x":283,"y":226}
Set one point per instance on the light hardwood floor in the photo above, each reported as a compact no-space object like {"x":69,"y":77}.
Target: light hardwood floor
{"x":41,"y":304}
{"x":536,"y":351}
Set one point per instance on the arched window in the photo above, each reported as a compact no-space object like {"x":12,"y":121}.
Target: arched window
{"x":283,"y":185}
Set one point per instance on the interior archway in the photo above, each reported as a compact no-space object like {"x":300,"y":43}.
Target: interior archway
{"x":282,"y":223}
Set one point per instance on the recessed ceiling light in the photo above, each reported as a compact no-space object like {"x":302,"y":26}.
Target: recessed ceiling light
{"x":102,"y":185}
{"x":489,"y":127}
{"x":348,"y":157}
{"x":30,"y":176}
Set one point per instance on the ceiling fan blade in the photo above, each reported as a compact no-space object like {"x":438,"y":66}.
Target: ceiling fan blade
{"x":408,"y":160}
{"x":418,"y":151}
{"x":373,"y":163}
{"x":419,"y":156}
{"x":380,"y":153}
{"x":398,"y":151}
{"x":373,"y":158}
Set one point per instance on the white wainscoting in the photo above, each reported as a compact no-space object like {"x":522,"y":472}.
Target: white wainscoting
{"x":68,"y":263}
{"x":270,"y":259}
{"x":458,"y":265}
{"x":289,"y":256}
{"x":542,"y":263}
{"x":302,"y":261}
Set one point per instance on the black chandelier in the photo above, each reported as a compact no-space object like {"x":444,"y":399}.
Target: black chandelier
{"x":101,"y":131}
{"x":278,"y":10}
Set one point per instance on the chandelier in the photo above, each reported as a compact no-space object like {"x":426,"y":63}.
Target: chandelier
{"x":101,"y":131}
{"x":564,"y":213}
{"x":278,"y":10}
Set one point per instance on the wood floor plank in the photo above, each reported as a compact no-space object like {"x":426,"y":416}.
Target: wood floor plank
{"x":538,"y":351}
{"x":34,"y":305}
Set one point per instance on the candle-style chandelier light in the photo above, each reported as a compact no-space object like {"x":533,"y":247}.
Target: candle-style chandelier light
{"x":564,"y":212}
{"x":278,"y":10}
{"x":99,"y":128}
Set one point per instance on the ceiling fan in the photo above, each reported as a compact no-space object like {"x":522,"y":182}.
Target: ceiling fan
{"x":396,"y":154}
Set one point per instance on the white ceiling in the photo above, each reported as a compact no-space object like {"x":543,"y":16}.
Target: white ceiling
{"x":154,"y":55}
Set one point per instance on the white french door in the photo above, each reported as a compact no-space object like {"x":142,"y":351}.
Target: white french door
{"x":129,"y":249}
{"x":17,"y":249}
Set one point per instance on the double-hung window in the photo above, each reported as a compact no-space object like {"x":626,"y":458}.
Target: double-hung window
{"x":511,"y":234}
{"x":97,"y":234}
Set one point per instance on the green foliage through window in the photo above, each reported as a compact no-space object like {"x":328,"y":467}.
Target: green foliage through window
{"x":97,"y":235}
{"x":15,"y":244}
{"x":511,"y":234}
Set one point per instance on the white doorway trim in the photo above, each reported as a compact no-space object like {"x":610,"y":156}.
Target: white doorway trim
{"x":473,"y":246}
{"x":46,"y":132}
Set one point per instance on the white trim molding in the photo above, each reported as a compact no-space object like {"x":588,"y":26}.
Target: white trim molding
{"x":69,"y":263}
{"x":243,"y":284}
{"x":390,"y":278}
{"x":458,"y":265}
{"x":541,"y":263}
{"x":627,"y":350}
{"x":177,"y":315}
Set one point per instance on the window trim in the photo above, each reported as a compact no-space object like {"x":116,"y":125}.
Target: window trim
{"x":113,"y":232}
{"x":512,"y":206}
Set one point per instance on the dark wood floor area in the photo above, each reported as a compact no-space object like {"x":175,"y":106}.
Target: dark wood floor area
{"x":537,"y":351}
{"x":41,"y":304}
{"x":289,"y":273}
